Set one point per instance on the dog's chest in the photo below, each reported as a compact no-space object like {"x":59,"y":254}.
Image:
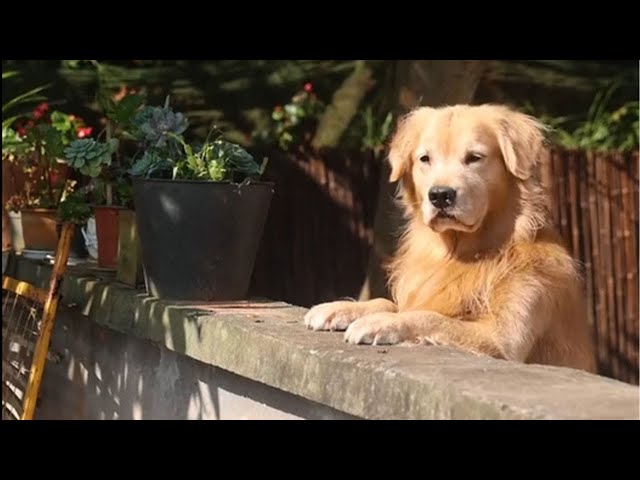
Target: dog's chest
{"x":452,"y":289}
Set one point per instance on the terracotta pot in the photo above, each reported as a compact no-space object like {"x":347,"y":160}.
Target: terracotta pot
{"x":17,"y":238}
{"x":107,"y":232}
{"x":39,"y":229}
{"x":129,"y":255}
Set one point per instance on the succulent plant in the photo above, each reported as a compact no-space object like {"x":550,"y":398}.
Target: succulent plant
{"x":217,"y":160}
{"x":235,"y":158}
{"x":89,"y":156}
{"x":151,"y":162}
{"x":156,"y":126}
{"x":167,"y":155}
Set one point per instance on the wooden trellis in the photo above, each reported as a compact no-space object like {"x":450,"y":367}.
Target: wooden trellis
{"x":28,"y":317}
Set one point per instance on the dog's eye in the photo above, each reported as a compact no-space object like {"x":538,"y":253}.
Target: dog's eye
{"x":425,"y":159}
{"x":473,"y":157}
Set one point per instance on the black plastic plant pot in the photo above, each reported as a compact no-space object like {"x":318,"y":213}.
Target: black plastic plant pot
{"x":199,"y":239}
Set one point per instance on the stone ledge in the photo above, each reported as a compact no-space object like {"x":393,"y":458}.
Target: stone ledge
{"x":266,"y":342}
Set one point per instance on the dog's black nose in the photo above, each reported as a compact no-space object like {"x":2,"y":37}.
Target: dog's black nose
{"x":442,"y":197}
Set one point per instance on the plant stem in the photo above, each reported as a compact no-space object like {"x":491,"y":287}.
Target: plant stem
{"x":109,"y":193}
{"x":47,"y":172}
{"x":108,"y":186}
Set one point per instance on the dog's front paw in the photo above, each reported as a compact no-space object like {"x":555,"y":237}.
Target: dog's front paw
{"x":333,"y":315}
{"x":379,"y":329}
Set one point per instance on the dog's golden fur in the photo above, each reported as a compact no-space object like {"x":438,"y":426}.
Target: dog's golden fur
{"x":490,"y":275}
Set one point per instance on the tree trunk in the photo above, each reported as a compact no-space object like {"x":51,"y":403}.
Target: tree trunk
{"x":344,"y":106}
{"x":418,"y":83}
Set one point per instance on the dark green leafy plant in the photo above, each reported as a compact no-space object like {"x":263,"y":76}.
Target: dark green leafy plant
{"x":604,"y":128}
{"x":120,"y":187}
{"x":165,"y":153}
{"x":75,"y":208}
{"x":69,"y":127}
{"x":218,"y":160}
{"x":13,"y":144}
{"x":124,"y":111}
{"x":89,"y":156}
{"x":295,"y":123}
{"x":375,"y":133}
{"x":152,"y":163}
{"x":36,"y":147}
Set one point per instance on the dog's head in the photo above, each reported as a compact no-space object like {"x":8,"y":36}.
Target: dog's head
{"x":458,"y":163}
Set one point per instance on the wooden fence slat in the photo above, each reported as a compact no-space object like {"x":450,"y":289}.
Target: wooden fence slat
{"x":587,"y":257}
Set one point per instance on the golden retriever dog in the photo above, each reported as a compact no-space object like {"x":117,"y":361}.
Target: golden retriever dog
{"x":479,"y":267}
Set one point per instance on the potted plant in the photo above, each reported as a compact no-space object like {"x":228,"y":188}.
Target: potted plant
{"x":93,"y":158}
{"x":35,"y":150}
{"x":109,"y":187}
{"x":13,"y":147}
{"x":200,"y":210}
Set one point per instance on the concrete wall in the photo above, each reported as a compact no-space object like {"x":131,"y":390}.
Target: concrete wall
{"x":124,"y":354}
{"x":103,"y":374}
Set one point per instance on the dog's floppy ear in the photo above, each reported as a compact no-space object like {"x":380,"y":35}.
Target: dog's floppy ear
{"x":521,"y":140}
{"x":402,"y":143}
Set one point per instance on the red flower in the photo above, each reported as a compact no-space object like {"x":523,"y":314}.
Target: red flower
{"x":84,"y":132}
{"x":40,"y":110}
{"x":308,"y":87}
{"x":55,"y":177}
{"x":21,"y":131}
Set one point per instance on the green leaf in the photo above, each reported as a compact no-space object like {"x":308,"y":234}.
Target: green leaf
{"x":107,"y":104}
{"x":60,"y":121}
{"x":54,"y":146}
{"x":216,"y":171}
{"x":27,"y":97}
{"x":263,"y":166}
{"x":126,"y":108}
{"x":91,"y":170}
{"x":75,"y":208}
{"x":140,"y":167}
{"x":113,"y":145}
{"x":12,"y":143}
{"x":9,"y":121}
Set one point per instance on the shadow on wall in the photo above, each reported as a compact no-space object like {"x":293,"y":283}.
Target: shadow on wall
{"x":103,"y":374}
